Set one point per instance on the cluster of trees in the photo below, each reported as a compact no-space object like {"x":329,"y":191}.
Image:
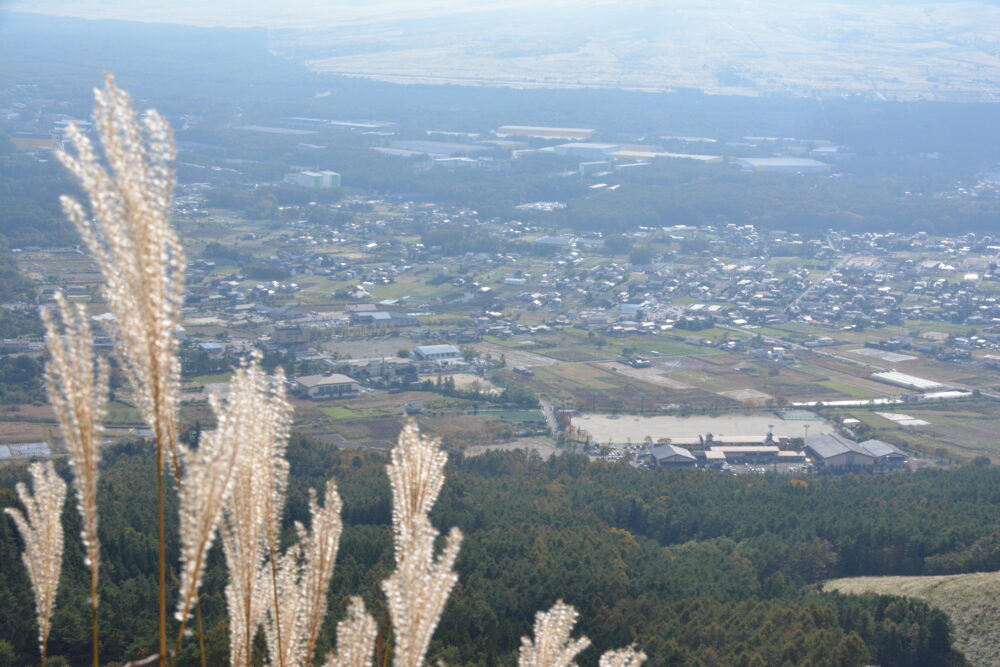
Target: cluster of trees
{"x":21,"y":379}
{"x":29,"y":199}
{"x":216,"y":250}
{"x":696,"y":569}
{"x":668,"y":193}
{"x":511,"y":394}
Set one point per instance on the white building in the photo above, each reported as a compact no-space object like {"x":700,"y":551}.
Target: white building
{"x":907,"y":381}
{"x":319,"y":180}
{"x":436,"y":352}
{"x":542,"y":132}
{"x":326,"y":386}
{"x":587,"y":150}
{"x":787,"y":165}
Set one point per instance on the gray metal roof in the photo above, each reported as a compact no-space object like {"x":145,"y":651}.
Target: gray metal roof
{"x":666,"y":451}
{"x":828,"y":445}
{"x":880,"y":449}
{"x":310,"y":381}
{"x":437,"y":349}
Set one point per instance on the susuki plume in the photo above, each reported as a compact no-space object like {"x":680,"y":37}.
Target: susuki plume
{"x":137,"y":250}
{"x":553,"y":647}
{"x":356,"y":635}
{"x":319,"y":546}
{"x":129,"y":234}
{"x":42,"y":532}
{"x":625,"y":657}
{"x":208,"y":477}
{"x":260,"y":416}
{"x":303,"y":580}
{"x":78,"y":396}
{"x":419,"y":588}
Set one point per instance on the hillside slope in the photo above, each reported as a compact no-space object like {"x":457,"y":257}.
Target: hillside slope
{"x":971,"y":600}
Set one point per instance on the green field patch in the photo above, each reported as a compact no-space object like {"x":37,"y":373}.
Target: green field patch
{"x":340,"y":412}
{"x":877,"y":421}
{"x":848,"y":390}
{"x":121,"y":413}
{"x":579,"y":374}
{"x":414,"y":290}
{"x":673,"y":348}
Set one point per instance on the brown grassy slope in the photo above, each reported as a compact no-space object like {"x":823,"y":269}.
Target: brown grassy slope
{"x":972,"y":601}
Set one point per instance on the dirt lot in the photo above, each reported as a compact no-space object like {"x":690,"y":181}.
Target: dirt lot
{"x":544,"y":446}
{"x":619,"y":429}
{"x":369,"y":347}
{"x":514,"y":357}
{"x":468,"y":381}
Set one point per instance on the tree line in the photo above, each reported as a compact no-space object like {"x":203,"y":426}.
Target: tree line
{"x":696,"y":569}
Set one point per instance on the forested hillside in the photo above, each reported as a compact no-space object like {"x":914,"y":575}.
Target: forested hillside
{"x":29,"y":204}
{"x":696,"y":568}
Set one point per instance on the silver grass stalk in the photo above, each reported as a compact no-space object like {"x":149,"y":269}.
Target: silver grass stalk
{"x":78,"y":398}
{"x":283,"y":618}
{"x":138,"y":252}
{"x":208,"y":480}
{"x":625,"y":657}
{"x":141,"y":260}
{"x":319,"y":546}
{"x":251,"y":514}
{"x":419,"y":588}
{"x":356,"y":635}
{"x":41,"y":529}
{"x":552,"y":645}
{"x":303,"y":580}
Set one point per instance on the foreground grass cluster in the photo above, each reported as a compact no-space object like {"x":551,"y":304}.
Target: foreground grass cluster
{"x":234,"y":482}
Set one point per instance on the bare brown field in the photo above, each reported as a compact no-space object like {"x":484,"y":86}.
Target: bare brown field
{"x":971,"y":600}
{"x":572,"y":354}
{"x":12,"y":432}
{"x":514,"y":357}
{"x":594,"y":387}
{"x":544,"y":446}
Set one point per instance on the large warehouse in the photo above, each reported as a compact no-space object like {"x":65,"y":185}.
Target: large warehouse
{"x":907,"y":381}
{"x":542,"y":132}
{"x":786,"y":165}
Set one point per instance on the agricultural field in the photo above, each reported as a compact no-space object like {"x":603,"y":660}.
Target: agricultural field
{"x":960,"y":430}
{"x":600,"y":386}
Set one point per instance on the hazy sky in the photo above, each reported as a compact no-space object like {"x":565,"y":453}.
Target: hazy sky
{"x":896,"y":49}
{"x":268,"y":13}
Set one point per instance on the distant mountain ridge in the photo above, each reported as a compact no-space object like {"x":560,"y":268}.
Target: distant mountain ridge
{"x":888,"y":50}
